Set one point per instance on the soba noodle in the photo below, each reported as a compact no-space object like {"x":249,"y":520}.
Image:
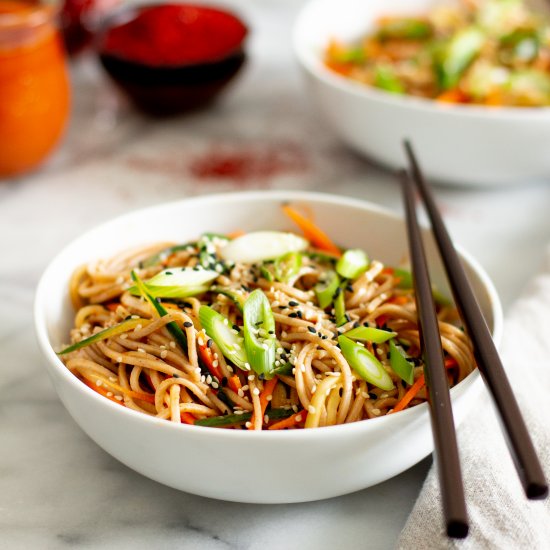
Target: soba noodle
{"x":144,"y":368}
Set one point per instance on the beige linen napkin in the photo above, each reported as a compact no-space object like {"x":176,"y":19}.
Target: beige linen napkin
{"x":500,"y":515}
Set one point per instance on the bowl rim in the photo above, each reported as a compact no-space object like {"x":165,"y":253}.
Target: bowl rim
{"x":313,"y":64}
{"x":111,"y":21}
{"x":203,"y":431}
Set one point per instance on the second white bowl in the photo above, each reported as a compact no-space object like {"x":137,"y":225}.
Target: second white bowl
{"x":457,"y":144}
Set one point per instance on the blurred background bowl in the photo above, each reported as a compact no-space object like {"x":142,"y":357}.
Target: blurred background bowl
{"x":211,"y":54}
{"x":243,"y":466}
{"x":457,"y":144}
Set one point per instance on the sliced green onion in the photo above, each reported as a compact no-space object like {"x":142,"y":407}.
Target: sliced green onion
{"x":405,"y":282}
{"x":229,"y":419}
{"x":235,"y":297}
{"x":259,"y":333}
{"x":399,"y":364}
{"x":387,"y":79}
{"x":266,"y":273}
{"x":352,"y":263}
{"x":340,"y":308}
{"x":369,"y":334}
{"x":365,"y":364}
{"x":326,"y":288}
{"x":212,"y":236}
{"x":322,"y":257}
{"x":407,"y":28}
{"x":287,"y":266}
{"x":220,"y":330}
{"x":457,"y":55}
{"x":262,"y":245}
{"x":286,"y":368}
{"x":115,"y":330}
{"x":172,"y":327}
{"x":179,"y":282}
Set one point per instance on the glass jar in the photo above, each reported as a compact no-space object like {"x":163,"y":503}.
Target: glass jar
{"x":34,"y":86}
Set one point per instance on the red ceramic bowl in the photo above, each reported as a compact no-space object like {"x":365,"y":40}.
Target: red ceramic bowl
{"x":171,"y":58}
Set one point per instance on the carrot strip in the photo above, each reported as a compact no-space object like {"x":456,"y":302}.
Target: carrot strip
{"x":289,"y":422}
{"x":101,"y":391}
{"x":207,"y":358}
{"x":112,"y":306}
{"x":417,"y":386}
{"x":381,"y":320}
{"x":409,"y":395}
{"x":269,"y":386}
{"x":235,"y":234}
{"x":235,"y":383}
{"x":187,"y":418}
{"x":399,"y":300}
{"x":318,"y":238}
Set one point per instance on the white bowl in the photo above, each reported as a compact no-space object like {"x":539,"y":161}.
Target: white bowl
{"x":262,"y":467}
{"x":457,"y":144}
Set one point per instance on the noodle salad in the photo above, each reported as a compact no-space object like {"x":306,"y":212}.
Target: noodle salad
{"x":266,"y":330}
{"x":488,"y":52}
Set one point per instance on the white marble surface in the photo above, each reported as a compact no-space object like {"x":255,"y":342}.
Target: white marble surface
{"x":57,"y":488}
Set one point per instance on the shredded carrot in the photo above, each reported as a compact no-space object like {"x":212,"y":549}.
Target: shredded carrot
{"x":269,"y":386}
{"x":417,"y":386}
{"x":399,"y":300}
{"x":318,"y":238}
{"x":409,"y":395}
{"x":207,"y":358}
{"x":297,"y":418}
{"x":452,"y":96}
{"x":381,"y":320}
{"x":187,"y":418}
{"x":101,"y":391}
{"x":234,"y":383}
{"x":112,"y":306}
{"x":237,"y":233}
{"x":130,"y":393}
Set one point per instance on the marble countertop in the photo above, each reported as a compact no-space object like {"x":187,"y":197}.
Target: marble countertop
{"x":59,"y":489}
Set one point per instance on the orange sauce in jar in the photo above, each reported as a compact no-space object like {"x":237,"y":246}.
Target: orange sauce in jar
{"x":34,"y":87}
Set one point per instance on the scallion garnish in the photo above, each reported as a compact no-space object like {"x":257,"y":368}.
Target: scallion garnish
{"x":115,"y":330}
{"x":365,"y":364}
{"x":326,"y":288}
{"x":259,"y":333}
{"x":399,"y":363}
{"x":229,"y":340}
{"x":352,"y":263}
{"x":369,"y":334}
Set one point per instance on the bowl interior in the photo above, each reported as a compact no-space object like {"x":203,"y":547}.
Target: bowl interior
{"x":349,"y":222}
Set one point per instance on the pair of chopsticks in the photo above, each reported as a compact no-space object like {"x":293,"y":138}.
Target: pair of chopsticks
{"x":487,"y":358}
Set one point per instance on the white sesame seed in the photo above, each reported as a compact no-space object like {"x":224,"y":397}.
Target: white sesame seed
{"x":256,"y":391}
{"x":375,"y":411}
{"x":225,"y":322}
{"x":247,"y":366}
{"x":364,"y":395}
{"x":138,"y":328}
{"x":215,"y":363}
{"x":215,"y":385}
{"x":172,"y":344}
{"x":201,"y":342}
{"x":266,"y":418}
{"x":141,"y":350}
{"x":112,"y":378}
{"x":119,"y":359}
{"x":209,"y":380}
{"x":311,"y":409}
{"x":299,"y":418}
{"x":269,"y":398}
{"x":245,"y":387}
{"x":118,"y":397}
{"x":240,"y":392}
{"x":203,"y":379}
{"x":248,"y":425}
{"x":230,"y":368}
{"x":251,"y":377}
{"x":98,"y":383}
{"x":295,"y":408}
{"x":135,"y":317}
{"x":239,"y":411}
{"x":109,"y":394}
{"x":303,"y":368}
{"x":163,"y":354}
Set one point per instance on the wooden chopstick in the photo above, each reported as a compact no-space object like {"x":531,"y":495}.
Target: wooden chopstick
{"x":487,"y":358}
{"x":443,"y":429}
